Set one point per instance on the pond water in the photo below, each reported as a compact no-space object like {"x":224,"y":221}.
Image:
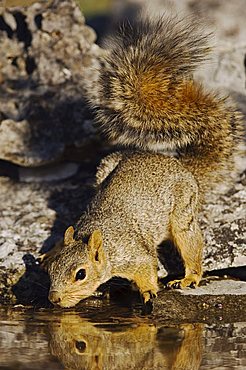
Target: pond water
{"x":53,"y":339}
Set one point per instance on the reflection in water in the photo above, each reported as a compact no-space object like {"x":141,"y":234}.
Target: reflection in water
{"x":81,"y":345}
{"x":56,"y":340}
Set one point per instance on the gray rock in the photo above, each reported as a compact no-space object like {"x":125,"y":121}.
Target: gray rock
{"x":43,"y":120}
{"x":219,"y":288}
{"x":224,"y":226}
{"x":46,"y":56}
{"x":56,"y":172}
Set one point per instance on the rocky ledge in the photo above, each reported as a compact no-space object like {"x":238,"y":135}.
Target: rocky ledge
{"x":49,"y":147}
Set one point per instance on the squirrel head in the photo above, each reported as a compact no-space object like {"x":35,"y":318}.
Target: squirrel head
{"x":78,"y":270}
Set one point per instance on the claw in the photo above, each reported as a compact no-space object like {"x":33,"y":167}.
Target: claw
{"x":152,"y":295}
{"x":148,"y":297}
{"x":188,"y":281}
{"x":174,"y":284}
{"x":192,"y":285}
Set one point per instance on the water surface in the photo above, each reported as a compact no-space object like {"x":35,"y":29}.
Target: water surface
{"x":56,"y":339}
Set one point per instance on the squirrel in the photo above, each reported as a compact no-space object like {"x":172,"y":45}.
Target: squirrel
{"x":147,"y":100}
{"x":79,"y":344}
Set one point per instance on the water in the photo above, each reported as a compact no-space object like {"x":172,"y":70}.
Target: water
{"x":56,"y":339}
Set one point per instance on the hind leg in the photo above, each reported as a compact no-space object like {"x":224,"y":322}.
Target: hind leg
{"x":187,"y":237}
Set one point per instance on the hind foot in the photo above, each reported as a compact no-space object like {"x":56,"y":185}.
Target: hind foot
{"x":190,"y":281}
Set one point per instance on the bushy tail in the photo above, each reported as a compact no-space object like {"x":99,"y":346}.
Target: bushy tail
{"x":211,"y":158}
{"x":149,"y":100}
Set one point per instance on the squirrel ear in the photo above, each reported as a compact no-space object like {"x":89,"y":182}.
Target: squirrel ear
{"x":95,"y":243}
{"x":68,"y":236}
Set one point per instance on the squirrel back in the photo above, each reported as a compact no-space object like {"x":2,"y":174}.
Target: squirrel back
{"x":148,"y":99}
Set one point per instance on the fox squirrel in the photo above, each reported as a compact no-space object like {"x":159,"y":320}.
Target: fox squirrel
{"x":79,"y":344}
{"x":146,"y":99}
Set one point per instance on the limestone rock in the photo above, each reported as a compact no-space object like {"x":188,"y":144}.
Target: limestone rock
{"x":47,"y":55}
{"x":43,"y":119}
{"x":224,"y":227}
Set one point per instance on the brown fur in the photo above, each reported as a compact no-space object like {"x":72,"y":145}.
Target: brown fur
{"x":79,"y":344}
{"x":145,"y":199}
{"x":149,"y":100}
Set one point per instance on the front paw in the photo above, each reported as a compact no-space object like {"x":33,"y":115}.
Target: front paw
{"x":148,"y":302}
{"x":149,"y":296}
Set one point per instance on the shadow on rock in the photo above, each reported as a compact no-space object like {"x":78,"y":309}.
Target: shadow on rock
{"x":171,"y":260}
{"x":69,"y":201}
{"x":46,"y":125}
{"x":33,"y":286}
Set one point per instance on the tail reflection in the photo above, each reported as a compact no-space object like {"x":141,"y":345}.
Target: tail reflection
{"x":79,"y":344}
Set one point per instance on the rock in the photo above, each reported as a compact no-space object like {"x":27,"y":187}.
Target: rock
{"x":16,"y":3}
{"x":218,"y":288}
{"x":205,"y":307}
{"x":43,"y":120}
{"x":56,"y":172}
{"x":47,"y":55}
{"x":224,"y":226}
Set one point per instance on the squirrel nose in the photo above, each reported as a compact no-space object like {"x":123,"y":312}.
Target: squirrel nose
{"x":54,"y":296}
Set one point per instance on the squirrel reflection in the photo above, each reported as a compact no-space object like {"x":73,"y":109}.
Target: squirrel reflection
{"x":79,"y":344}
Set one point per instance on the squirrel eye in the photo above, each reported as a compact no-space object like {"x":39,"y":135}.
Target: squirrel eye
{"x":81,"y":274}
{"x":81,"y":346}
